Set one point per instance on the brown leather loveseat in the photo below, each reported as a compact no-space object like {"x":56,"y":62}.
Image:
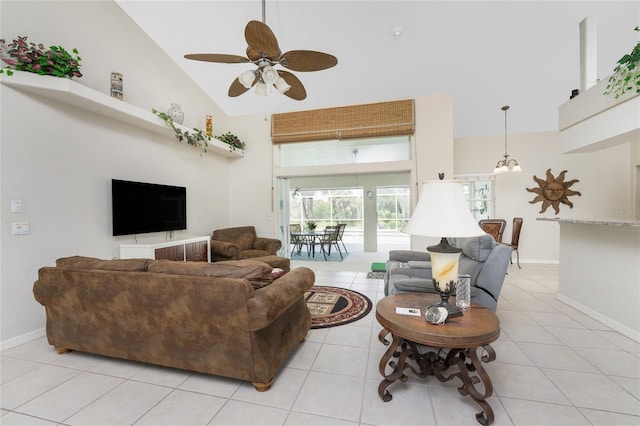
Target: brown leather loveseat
{"x":228,"y":318}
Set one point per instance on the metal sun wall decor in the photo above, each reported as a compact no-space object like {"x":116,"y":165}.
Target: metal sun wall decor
{"x":553,"y":191}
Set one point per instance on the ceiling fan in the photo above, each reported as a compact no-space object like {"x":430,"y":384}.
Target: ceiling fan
{"x":264,"y":52}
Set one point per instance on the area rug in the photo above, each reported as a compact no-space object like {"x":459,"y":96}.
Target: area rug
{"x":332,"y":306}
{"x":333,"y":257}
{"x":375,"y":275}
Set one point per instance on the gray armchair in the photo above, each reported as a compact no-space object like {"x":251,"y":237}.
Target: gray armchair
{"x":482,"y":258}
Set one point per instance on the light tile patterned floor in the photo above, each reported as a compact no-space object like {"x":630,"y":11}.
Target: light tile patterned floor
{"x":555,"y":366}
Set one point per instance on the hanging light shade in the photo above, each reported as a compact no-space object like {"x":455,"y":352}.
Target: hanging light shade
{"x":247,"y":78}
{"x":282,"y":85}
{"x":269,"y":75}
{"x":261,"y":88}
{"x":506,"y":165}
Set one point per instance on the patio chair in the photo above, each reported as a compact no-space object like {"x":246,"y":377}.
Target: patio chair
{"x":341,"y":227}
{"x":297,"y":240}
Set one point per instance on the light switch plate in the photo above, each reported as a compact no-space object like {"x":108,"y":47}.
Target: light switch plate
{"x":16,"y":206}
{"x":21,"y":228}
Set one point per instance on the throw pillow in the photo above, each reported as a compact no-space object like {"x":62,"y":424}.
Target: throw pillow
{"x":277,"y":273}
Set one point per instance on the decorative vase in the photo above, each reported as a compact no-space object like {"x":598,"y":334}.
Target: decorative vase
{"x":176,"y":113}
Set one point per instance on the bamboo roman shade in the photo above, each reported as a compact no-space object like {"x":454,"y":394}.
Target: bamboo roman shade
{"x":394,"y":118}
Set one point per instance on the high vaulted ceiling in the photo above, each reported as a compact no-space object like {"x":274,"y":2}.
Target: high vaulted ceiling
{"x":486,"y":54}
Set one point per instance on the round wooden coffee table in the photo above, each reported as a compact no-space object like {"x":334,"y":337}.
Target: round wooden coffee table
{"x":461,"y":344}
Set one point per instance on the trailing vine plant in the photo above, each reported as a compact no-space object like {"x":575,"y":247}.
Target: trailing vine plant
{"x":199,"y":138}
{"x":626,"y":75}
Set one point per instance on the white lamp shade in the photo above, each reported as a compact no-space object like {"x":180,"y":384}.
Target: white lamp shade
{"x":247,"y":78}
{"x":516,"y":168}
{"x":269,"y":75}
{"x":442,"y":211}
{"x":261,"y":89}
{"x":282,"y":85}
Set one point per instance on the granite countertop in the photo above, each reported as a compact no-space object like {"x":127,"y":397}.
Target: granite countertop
{"x":633,"y":224}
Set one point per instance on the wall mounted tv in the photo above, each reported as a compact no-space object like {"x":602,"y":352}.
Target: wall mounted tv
{"x":140,"y":207}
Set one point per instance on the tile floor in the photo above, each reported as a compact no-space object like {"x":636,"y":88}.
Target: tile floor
{"x":554,"y":366}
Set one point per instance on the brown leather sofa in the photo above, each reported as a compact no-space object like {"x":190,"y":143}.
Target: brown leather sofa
{"x":228,"y":318}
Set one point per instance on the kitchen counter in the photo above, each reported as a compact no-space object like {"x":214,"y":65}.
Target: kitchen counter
{"x":600,"y":271}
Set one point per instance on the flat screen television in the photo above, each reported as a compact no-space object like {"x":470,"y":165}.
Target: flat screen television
{"x":140,"y":207}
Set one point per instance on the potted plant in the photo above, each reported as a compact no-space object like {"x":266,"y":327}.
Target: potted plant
{"x":232,"y":140}
{"x":25,"y":56}
{"x":626,"y":75}
{"x":311,"y":226}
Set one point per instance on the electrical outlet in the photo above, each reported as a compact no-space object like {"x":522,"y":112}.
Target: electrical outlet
{"x":21,"y":228}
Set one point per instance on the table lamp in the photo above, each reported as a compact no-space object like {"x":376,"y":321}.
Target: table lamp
{"x":442,"y":211}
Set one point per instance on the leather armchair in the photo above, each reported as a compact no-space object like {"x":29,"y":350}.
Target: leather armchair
{"x":482,"y":258}
{"x":241,"y":243}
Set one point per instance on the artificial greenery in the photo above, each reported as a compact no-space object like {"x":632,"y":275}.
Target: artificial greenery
{"x":626,"y":75}
{"x":31,"y":57}
{"x":232,"y":140}
{"x":199,"y":138}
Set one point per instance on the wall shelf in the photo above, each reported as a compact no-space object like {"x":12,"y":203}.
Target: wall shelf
{"x":593,"y":121}
{"x":75,"y":94}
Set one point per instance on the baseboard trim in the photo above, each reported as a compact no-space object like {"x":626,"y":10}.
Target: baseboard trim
{"x":538,"y":261}
{"x":24,"y":338}
{"x":615,"y":325}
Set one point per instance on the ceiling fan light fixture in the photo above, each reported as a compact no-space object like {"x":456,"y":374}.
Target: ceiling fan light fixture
{"x":282,"y":85}
{"x":247,"y":78}
{"x":261,"y":89}
{"x":269,"y":75}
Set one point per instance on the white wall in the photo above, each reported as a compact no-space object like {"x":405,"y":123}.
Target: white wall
{"x":59,"y":160}
{"x":604,"y":182}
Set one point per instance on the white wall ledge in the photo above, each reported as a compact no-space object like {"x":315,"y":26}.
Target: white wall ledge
{"x":72,"y":93}
{"x":593,"y":121}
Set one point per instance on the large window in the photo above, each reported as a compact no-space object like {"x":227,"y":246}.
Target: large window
{"x":394,"y":211}
{"x":345,"y":152}
{"x":330,"y":206}
{"x":327,"y":207}
{"x":479,"y":192}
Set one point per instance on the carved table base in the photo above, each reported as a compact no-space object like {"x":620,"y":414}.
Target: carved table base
{"x":403,"y":354}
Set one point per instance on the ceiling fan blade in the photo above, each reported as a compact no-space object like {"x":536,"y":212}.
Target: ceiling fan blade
{"x":217,"y":57}
{"x":237,"y":89}
{"x":261,"y":39}
{"x":297,"y":90}
{"x":307,"y":60}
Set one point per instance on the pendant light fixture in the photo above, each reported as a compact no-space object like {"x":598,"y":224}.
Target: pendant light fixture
{"x":506,"y":165}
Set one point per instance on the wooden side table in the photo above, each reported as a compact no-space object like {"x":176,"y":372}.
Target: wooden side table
{"x":461,"y":344}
